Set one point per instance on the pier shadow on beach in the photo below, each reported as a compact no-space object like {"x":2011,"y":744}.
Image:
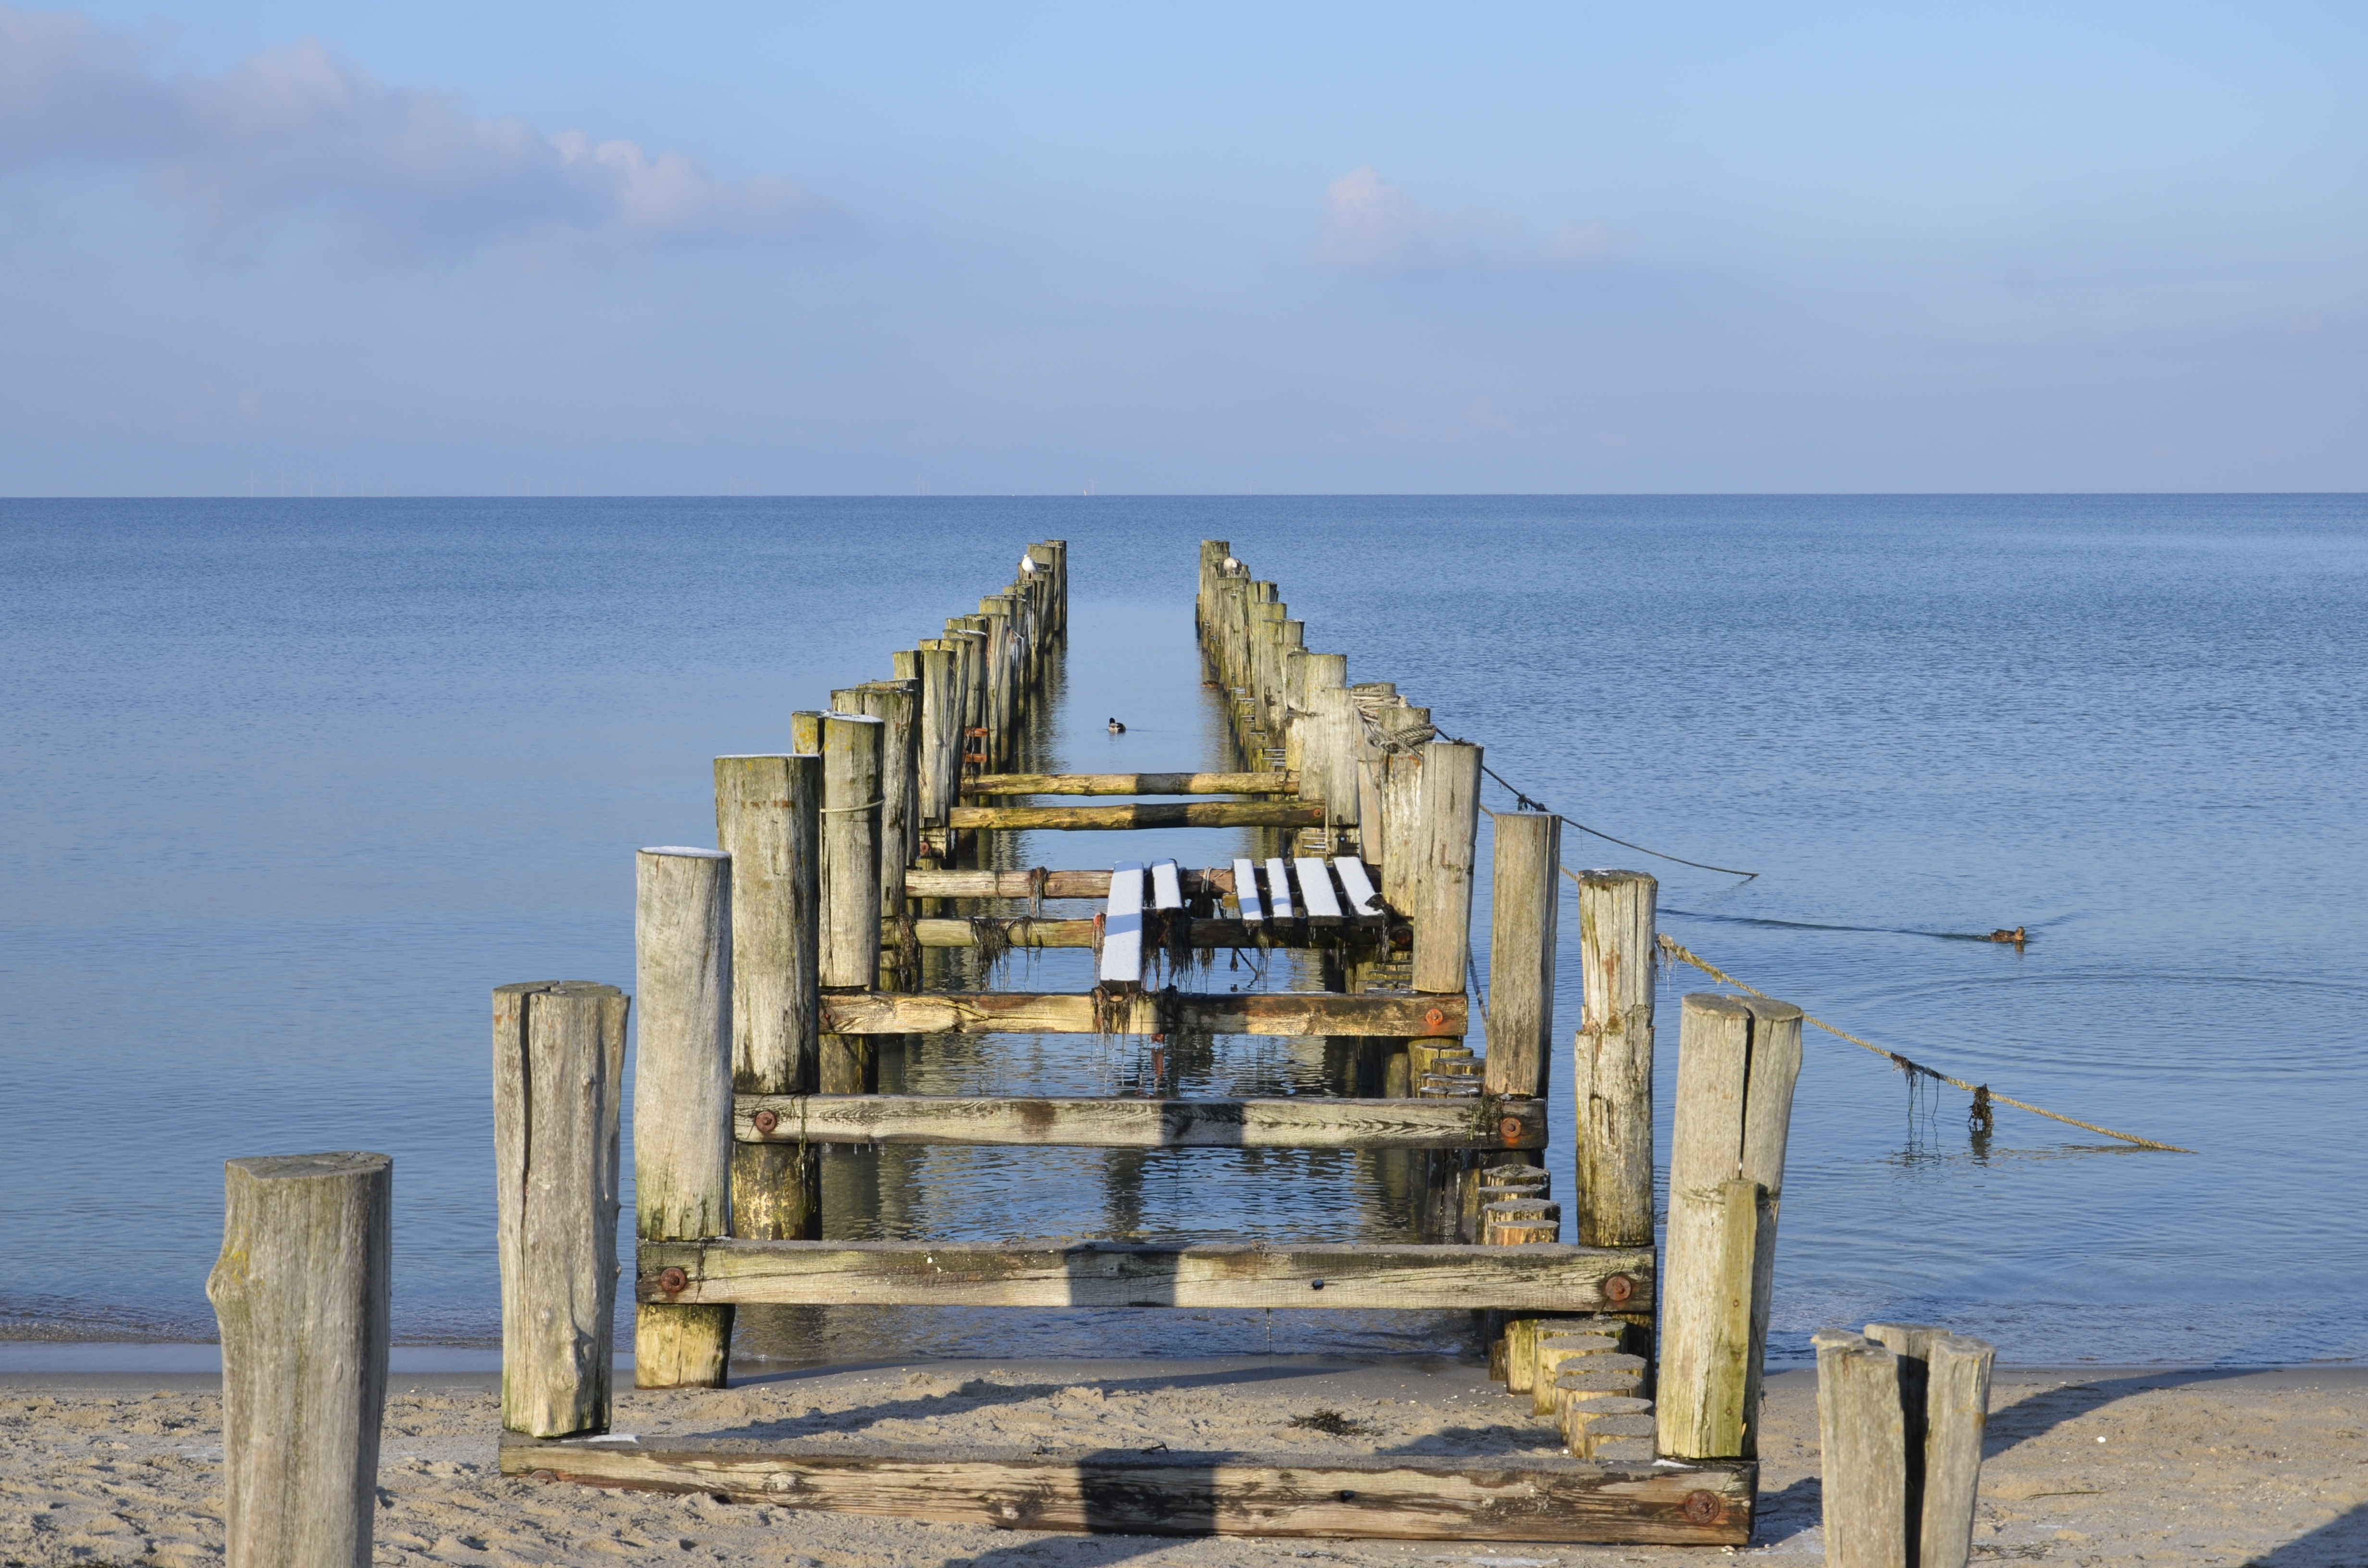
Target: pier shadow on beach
{"x":2338,"y":1543}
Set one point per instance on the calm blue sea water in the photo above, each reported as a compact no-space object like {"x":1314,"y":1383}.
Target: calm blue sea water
{"x":290,"y":785}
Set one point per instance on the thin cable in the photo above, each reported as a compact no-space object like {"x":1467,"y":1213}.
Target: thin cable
{"x":1678,"y":950}
{"x":1525,"y":803}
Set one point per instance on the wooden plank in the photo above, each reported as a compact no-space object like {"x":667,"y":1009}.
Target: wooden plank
{"x":1304,"y":1123}
{"x":1020,"y":931}
{"x":1246,"y":892}
{"x":923,"y":882}
{"x":1364,"y":902}
{"x":1211,"y":1274}
{"x":1132,"y":784}
{"x":1315,"y":887}
{"x":1123,"y":926}
{"x":1157,"y":814}
{"x":1259,"y":1013}
{"x":1393,"y":1496}
{"x":1278,"y":889}
{"x":1166,"y":891}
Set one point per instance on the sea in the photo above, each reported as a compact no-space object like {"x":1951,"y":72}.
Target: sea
{"x":290,"y":785}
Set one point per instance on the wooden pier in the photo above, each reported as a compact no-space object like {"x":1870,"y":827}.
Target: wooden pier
{"x":851,"y":864}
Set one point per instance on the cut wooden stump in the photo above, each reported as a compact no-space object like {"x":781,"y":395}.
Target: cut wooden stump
{"x":302,"y":1292}
{"x":559,"y":1069}
{"x":1862,"y":1436}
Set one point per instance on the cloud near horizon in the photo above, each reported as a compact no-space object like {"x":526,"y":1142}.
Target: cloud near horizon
{"x":1372,"y":225}
{"x":298,"y":135}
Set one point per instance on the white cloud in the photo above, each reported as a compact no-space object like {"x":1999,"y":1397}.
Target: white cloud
{"x":299,"y":135}
{"x":1372,"y":225}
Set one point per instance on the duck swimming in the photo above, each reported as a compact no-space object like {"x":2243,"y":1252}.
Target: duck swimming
{"x":1117,"y":728}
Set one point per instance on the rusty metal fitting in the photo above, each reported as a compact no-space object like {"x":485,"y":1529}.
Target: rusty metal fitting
{"x":1703,"y":1508}
{"x":765,"y":1120}
{"x":1510,"y":1128}
{"x":1618,"y":1288}
{"x":673,"y":1281}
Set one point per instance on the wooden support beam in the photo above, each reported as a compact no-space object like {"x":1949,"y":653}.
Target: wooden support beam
{"x":1266,"y":1013}
{"x":1157,"y":814}
{"x":1300,"y":1122}
{"x":1124,"y":1274}
{"x":920,"y":883}
{"x":1132,"y":784}
{"x":1394,"y":1496}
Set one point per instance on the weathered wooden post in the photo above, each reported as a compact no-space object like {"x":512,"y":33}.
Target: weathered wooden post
{"x":768,"y":818}
{"x":559,"y":1078}
{"x":1945,"y":1388}
{"x":849,"y":937}
{"x":1737,"y":1060}
{"x":1613,"y":1058}
{"x":1527,"y":883}
{"x":301,"y":1293}
{"x":940,"y":728}
{"x":894,"y":703}
{"x":682,"y":1098}
{"x":1443,"y":900}
{"x":1400,"y":848}
{"x":1863,"y":1437}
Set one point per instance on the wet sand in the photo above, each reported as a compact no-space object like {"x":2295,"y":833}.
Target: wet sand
{"x":2085,"y":1467}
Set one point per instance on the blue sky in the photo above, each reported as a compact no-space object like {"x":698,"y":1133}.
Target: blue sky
{"x":784,"y":248}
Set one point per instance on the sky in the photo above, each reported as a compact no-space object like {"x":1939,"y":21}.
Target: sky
{"x":720,"y":247}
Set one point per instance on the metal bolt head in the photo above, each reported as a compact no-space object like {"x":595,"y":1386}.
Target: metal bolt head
{"x":1511,"y":1127}
{"x":765,"y":1120}
{"x":1703,"y":1508}
{"x":673,"y":1281}
{"x":1618,"y":1288}
{"x":1435,"y":1018}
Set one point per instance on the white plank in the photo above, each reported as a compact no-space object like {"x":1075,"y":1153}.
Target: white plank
{"x":1364,"y":904}
{"x":1246,"y":893}
{"x":1122,"y":926}
{"x":1166,"y":887}
{"x":1278,"y":889}
{"x":1316,"y":889}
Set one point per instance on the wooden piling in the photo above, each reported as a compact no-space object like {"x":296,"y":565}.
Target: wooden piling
{"x":302,"y":1292}
{"x":1400,"y":839}
{"x":768,"y":818}
{"x":559,"y":1068}
{"x":940,"y":765}
{"x":896,"y":703}
{"x":851,"y":748}
{"x":682,"y":1098}
{"x":1451,"y":825}
{"x":1527,"y":895}
{"x":1737,"y":1061}
{"x":1944,"y":1382}
{"x":1862,"y":1435}
{"x":1613,"y":1057}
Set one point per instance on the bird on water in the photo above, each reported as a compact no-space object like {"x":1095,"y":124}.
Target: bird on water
{"x":1117,"y":728}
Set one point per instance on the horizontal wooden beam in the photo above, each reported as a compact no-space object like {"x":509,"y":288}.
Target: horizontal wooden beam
{"x":1384,"y":1496}
{"x":1309,"y":1122}
{"x":1021,"y":1012}
{"x":1541,"y":1276}
{"x":1132,"y":784}
{"x":924,"y":882}
{"x":1017,"y":932}
{"x":1153,"y":813}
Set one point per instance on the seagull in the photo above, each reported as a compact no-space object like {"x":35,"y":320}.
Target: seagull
{"x":1028,"y":566}
{"x":1117,"y":728}
{"x":1233,"y":567}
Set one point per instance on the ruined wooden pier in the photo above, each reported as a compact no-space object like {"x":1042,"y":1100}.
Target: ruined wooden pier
{"x":772,"y":966}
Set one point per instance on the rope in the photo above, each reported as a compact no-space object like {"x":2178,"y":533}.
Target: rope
{"x":1982,"y":1094}
{"x":1524,"y":802}
{"x":833,"y":810}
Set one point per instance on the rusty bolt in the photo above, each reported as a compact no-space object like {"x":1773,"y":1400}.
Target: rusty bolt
{"x":1618,"y":1288}
{"x":1703,"y":1508}
{"x":1511,"y":1128}
{"x":673,"y":1281}
{"x":765,"y":1120}
{"x":1316,"y":1284}
{"x":1435,"y":1018}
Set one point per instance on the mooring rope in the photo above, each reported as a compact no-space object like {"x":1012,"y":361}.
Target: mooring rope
{"x":1529,"y":803}
{"x":1982,"y":1093}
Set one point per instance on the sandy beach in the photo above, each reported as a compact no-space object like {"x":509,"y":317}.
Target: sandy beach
{"x":2087,"y":1466}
